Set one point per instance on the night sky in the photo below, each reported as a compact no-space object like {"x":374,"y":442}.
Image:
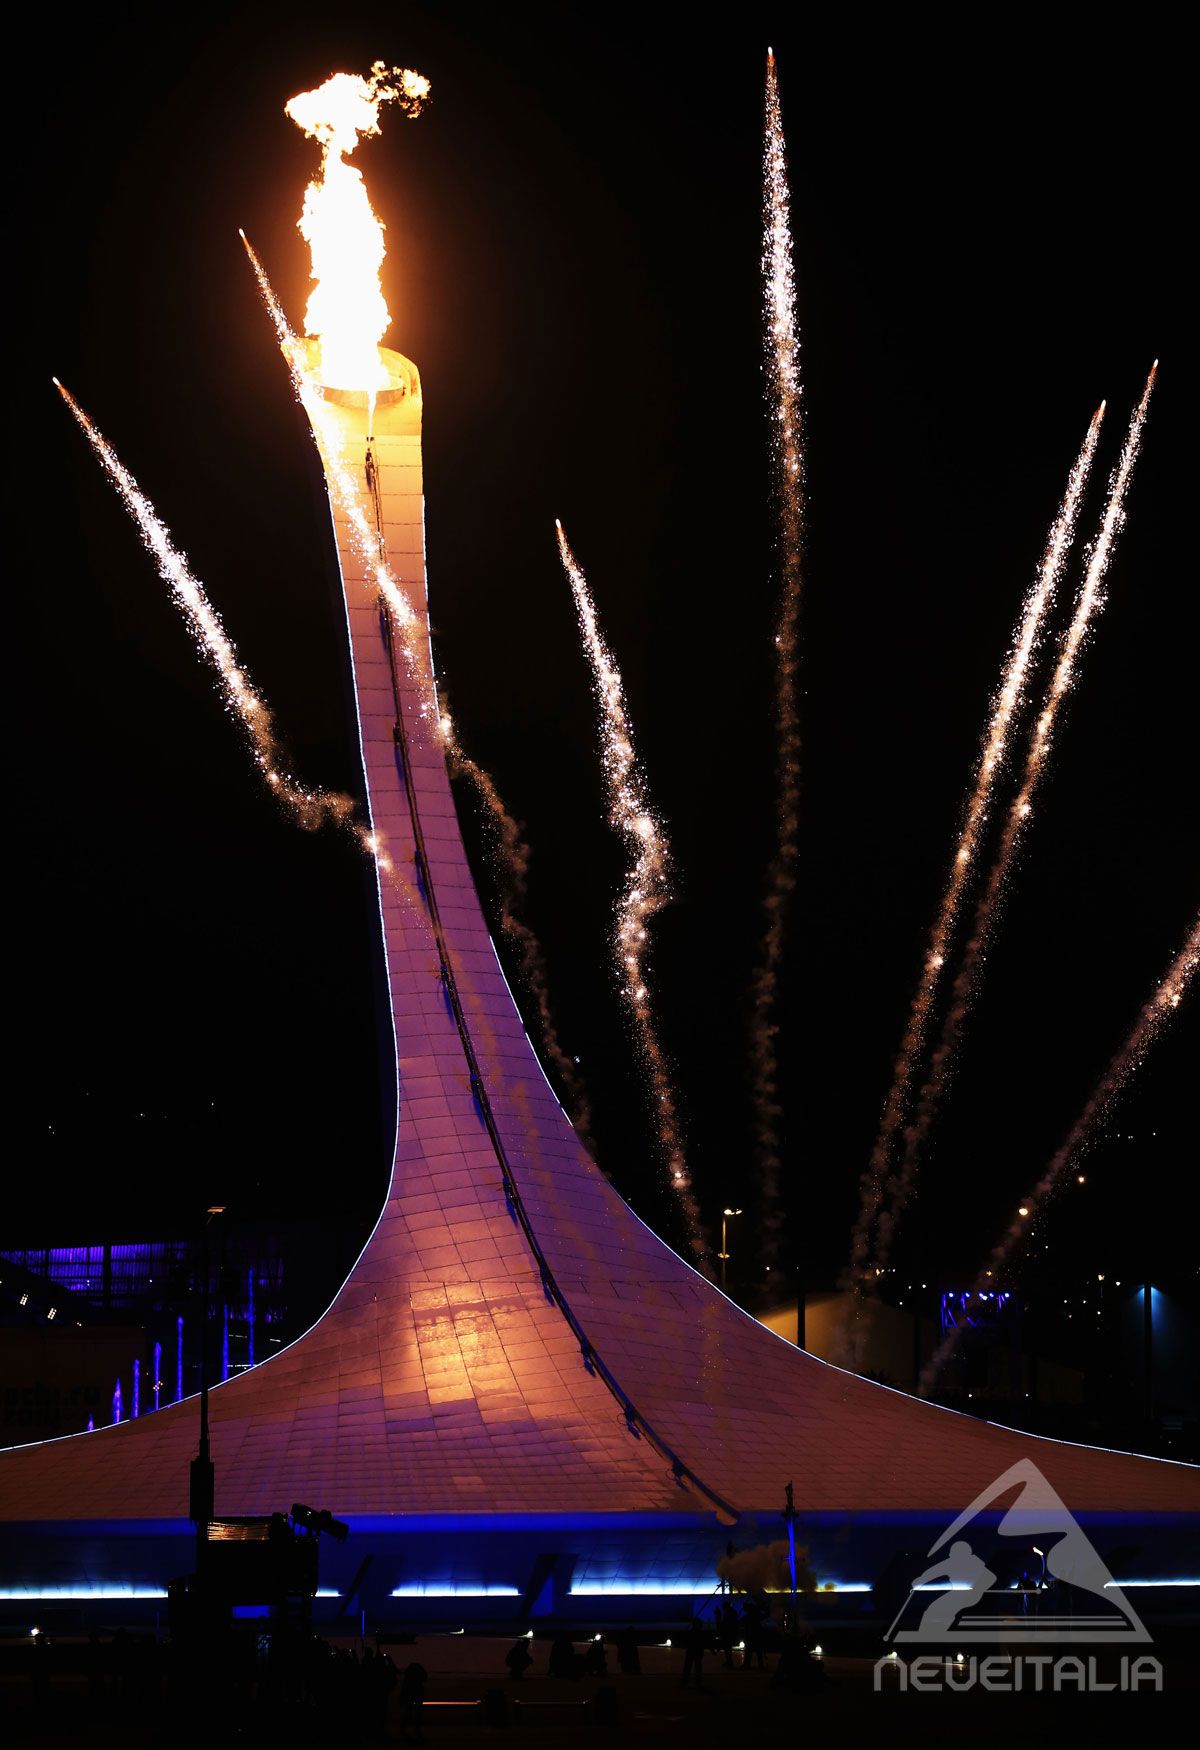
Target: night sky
{"x":573,"y":236}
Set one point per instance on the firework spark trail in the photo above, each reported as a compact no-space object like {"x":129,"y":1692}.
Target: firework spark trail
{"x":1154,"y":1016}
{"x":1006,"y":705}
{"x":1088,"y":604}
{"x":311,"y":807}
{"x":514,"y":855}
{"x":349,"y":499}
{"x":368,"y":539}
{"x":646,"y":886}
{"x":783,"y":364}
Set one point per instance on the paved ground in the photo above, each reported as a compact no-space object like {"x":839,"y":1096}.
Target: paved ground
{"x":732,"y":1708}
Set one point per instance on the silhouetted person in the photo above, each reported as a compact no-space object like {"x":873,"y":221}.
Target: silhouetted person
{"x":518,"y":1659}
{"x":383,"y":1682}
{"x":343,"y":1687}
{"x":798,"y":1670}
{"x":366,"y":1692}
{"x":628,"y":1654}
{"x":563,"y":1662}
{"x":595,"y":1662}
{"x":695,"y":1645}
{"x":754,"y":1633}
{"x":412,"y":1701}
{"x":728,"y":1625}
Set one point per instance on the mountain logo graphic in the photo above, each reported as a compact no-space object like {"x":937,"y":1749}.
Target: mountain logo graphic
{"x":1062,"y":1590}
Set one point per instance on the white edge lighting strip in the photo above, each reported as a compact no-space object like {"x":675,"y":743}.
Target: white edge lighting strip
{"x":456,"y":1592}
{"x":620,"y":1589}
{"x":698,"y":1588}
{"x":59,"y":1594}
{"x":645,"y":1588}
{"x":1123,"y":1585}
{"x":53,"y":1594}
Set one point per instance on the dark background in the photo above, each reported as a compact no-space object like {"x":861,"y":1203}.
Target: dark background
{"x":987,"y":241}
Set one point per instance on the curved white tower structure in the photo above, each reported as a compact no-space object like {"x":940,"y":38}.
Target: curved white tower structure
{"x":513,"y":1345}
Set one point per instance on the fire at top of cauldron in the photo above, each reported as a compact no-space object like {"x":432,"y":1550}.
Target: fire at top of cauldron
{"x":347,"y":314}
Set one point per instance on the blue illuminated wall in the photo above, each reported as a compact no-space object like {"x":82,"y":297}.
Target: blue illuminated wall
{"x":590,"y":1570}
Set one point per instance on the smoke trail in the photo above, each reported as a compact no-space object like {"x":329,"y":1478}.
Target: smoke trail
{"x":310,"y":807}
{"x":646,"y":886}
{"x":1088,"y":604}
{"x":1154,"y":1016}
{"x":783,"y":367}
{"x":514,"y":855}
{"x":1006,"y":704}
{"x":367,"y":533}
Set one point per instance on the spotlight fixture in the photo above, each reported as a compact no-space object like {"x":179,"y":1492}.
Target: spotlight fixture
{"x":317,"y":1520}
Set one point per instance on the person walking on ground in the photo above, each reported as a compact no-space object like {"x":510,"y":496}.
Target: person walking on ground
{"x":728,"y":1624}
{"x":412,"y":1701}
{"x":695,"y":1645}
{"x":518,"y":1659}
{"x":754,"y":1633}
{"x":628,"y":1655}
{"x":564,"y":1661}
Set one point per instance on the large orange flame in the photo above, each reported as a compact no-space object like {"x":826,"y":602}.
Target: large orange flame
{"x":347,"y":309}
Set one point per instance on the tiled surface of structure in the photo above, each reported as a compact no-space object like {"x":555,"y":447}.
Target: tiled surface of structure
{"x":447,"y":1376}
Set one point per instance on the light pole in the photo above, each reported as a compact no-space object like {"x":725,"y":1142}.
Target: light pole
{"x":723,"y":1254}
{"x":200,"y":1502}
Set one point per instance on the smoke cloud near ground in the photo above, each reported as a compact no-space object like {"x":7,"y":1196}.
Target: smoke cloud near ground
{"x":765,"y":1568}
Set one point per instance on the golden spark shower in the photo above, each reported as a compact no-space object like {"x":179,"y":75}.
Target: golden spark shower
{"x":363,"y":404}
{"x":1006,"y":706}
{"x":851,"y":520}
{"x":354,"y":489}
{"x":309,"y":806}
{"x":647,"y":887}
{"x":784,"y":395}
{"x":336,"y":114}
{"x":512,"y":855}
{"x":355,"y":501}
{"x":350,"y":496}
{"x":1088,"y":604}
{"x":1153,"y":1018}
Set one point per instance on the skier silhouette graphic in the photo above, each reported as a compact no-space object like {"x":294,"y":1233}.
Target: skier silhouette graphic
{"x":1018,"y":1512}
{"x":966,"y":1579}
